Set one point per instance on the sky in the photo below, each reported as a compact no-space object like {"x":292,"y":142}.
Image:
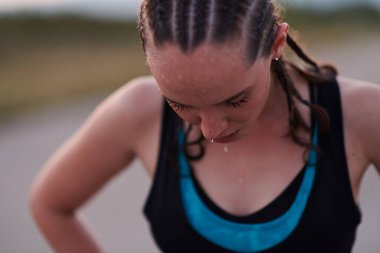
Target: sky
{"x":129,"y":8}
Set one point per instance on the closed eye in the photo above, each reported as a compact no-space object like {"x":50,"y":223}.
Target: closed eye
{"x":177,"y":106}
{"x":237,"y":104}
{"x":233,"y":102}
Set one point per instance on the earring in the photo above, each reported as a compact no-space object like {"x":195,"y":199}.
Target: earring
{"x":276,"y":59}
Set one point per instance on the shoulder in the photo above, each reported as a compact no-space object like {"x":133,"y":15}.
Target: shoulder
{"x":360,"y":100}
{"x":129,"y":111}
{"x":360,"y":103}
{"x":358,"y":89}
{"x":139,"y":98}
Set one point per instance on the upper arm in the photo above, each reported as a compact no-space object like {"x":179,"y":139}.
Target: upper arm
{"x":362,"y":101}
{"x":100,"y":148}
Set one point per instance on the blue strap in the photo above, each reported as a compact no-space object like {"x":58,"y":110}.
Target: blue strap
{"x":242,"y":237}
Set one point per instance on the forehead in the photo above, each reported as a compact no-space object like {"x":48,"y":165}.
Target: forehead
{"x":204,"y":63}
{"x":208,"y":70}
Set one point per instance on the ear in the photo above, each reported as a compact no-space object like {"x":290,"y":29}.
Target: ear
{"x":280,"y":40}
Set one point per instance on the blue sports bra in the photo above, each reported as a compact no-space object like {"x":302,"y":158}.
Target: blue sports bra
{"x":241,"y":237}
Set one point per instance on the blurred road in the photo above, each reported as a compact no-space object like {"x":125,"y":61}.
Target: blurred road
{"x":115,"y":214}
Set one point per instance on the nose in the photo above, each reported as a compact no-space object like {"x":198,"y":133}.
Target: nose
{"x":213,"y":125}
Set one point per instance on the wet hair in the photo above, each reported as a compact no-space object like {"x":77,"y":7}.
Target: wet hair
{"x":189,"y":23}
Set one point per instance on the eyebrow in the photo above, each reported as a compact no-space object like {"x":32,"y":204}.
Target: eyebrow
{"x":237,"y":95}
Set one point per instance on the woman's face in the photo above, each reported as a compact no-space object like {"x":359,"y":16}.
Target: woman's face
{"x":213,"y":88}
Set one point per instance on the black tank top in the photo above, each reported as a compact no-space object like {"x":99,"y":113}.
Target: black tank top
{"x":330,"y":218}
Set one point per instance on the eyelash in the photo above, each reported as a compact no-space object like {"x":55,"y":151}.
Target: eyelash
{"x":180,"y":107}
{"x":237,"y":104}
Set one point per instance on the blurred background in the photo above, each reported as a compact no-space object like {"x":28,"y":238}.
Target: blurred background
{"x":60,"y":58}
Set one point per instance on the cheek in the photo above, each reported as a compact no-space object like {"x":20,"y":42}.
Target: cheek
{"x":251,"y":110}
{"x":259,"y":100}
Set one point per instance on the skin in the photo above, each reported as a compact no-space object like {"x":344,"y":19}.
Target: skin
{"x":202,"y":97}
{"x":126,"y":125}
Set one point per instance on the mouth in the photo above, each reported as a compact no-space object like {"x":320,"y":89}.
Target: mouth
{"x":227,"y":138}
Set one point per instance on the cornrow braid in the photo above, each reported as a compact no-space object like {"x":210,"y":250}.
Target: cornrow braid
{"x":201,"y":12}
{"x":160,"y":24}
{"x":317,"y":73}
{"x":319,"y":111}
{"x":294,"y":46}
{"x":295,"y":119}
{"x":140,"y":25}
{"x":228,"y":19}
{"x":182,"y":21}
{"x":259,"y":22}
{"x":197,"y":142}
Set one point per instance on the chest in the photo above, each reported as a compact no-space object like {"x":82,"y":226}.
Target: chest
{"x":240,"y":180}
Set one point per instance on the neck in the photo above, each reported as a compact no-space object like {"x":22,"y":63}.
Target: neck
{"x":275,"y":111}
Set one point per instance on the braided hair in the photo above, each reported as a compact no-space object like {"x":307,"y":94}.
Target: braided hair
{"x":189,"y":23}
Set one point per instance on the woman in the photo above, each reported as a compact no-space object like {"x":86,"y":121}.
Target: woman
{"x":248,"y":153}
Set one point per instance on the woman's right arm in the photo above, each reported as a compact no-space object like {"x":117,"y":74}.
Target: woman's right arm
{"x":101,"y":148}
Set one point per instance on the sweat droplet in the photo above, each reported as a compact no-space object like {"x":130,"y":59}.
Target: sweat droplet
{"x":225,"y":148}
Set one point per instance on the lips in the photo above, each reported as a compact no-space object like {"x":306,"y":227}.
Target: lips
{"x":227,"y":138}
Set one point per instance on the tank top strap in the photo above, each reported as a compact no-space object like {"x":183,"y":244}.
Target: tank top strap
{"x":333,"y":153}
{"x":164,"y":178}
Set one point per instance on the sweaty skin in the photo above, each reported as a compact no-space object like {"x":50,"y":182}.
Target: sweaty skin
{"x":126,"y":125}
